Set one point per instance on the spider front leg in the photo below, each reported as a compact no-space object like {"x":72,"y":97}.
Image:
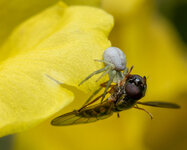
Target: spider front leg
{"x":126,"y":74}
{"x":108,"y":69}
{"x":112,"y":74}
{"x":95,"y":72}
{"x":91,"y":97}
{"x":97,"y":98}
{"x":96,"y":92}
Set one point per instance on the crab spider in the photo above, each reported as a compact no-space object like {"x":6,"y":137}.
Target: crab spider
{"x":115,"y":66}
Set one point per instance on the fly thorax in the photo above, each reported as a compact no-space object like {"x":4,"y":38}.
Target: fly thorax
{"x":124,"y":103}
{"x":118,"y":92}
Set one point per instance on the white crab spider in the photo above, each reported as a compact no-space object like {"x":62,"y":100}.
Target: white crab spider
{"x":115,"y":66}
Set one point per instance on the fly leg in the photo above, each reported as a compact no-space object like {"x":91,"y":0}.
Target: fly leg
{"x":106,"y":70}
{"x":97,"y":98}
{"x":104,"y":84}
{"x":145,"y":111}
{"x":96,"y":92}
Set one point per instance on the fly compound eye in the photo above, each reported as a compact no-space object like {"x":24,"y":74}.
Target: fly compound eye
{"x":135,"y":87}
{"x":138,"y":82}
{"x":131,"y":81}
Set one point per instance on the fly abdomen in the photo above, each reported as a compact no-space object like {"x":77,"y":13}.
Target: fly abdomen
{"x":86,"y":115}
{"x":98,"y":111}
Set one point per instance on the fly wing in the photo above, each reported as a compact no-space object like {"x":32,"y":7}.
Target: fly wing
{"x":160,"y":104}
{"x":65,"y":119}
{"x":73,"y":118}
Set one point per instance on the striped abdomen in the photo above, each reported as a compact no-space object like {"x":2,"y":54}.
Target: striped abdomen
{"x":86,"y":115}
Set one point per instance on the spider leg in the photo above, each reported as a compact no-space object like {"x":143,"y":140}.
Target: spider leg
{"x":97,"y":91}
{"x":108,"y":84}
{"x":106,"y":62}
{"x":98,"y":60}
{"x":127,"y":75}
{"x":97,"y":98}
{"x":145,"y":111}
{"x":125,"y":72}
{"x":58,"y":82}
{"x":94,"y":93}
{"x":106,"y":72}
{"x":95,"y":72}
{"x":104,"y":84}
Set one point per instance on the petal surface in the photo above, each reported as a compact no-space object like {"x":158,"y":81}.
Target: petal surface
{"x":151,"y":45}
{"x":60,"y":42}
{"x":15,"y":12}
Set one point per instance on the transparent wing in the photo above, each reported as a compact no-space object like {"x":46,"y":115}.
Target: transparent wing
{"x":160,"y":104}
{"x":65,"y":119}
{"x":73,"y":118}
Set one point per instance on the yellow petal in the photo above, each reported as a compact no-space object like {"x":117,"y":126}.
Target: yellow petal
{"x":16,"y":11}
{"x":126,"y":9}
{"x":133,"y":129}
{"x":61,"y":42}
{"x":83,"y":2}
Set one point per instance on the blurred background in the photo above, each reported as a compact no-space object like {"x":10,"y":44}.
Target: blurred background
{"x":153,"y":35}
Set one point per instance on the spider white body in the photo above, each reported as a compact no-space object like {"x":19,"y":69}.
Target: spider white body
{"x":116,"y":57}
{"x":115,"y":67}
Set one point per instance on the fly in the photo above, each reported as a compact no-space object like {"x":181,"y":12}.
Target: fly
{"x":123,"y":96}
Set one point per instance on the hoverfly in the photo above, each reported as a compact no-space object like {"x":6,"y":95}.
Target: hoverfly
{"x":123,"y":96}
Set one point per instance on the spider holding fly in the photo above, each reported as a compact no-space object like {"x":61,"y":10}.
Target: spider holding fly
{"x":125,"y":94}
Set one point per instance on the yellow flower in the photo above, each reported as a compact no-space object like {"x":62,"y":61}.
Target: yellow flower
{"x":60,"y":42}
{"x":151,"y":45}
